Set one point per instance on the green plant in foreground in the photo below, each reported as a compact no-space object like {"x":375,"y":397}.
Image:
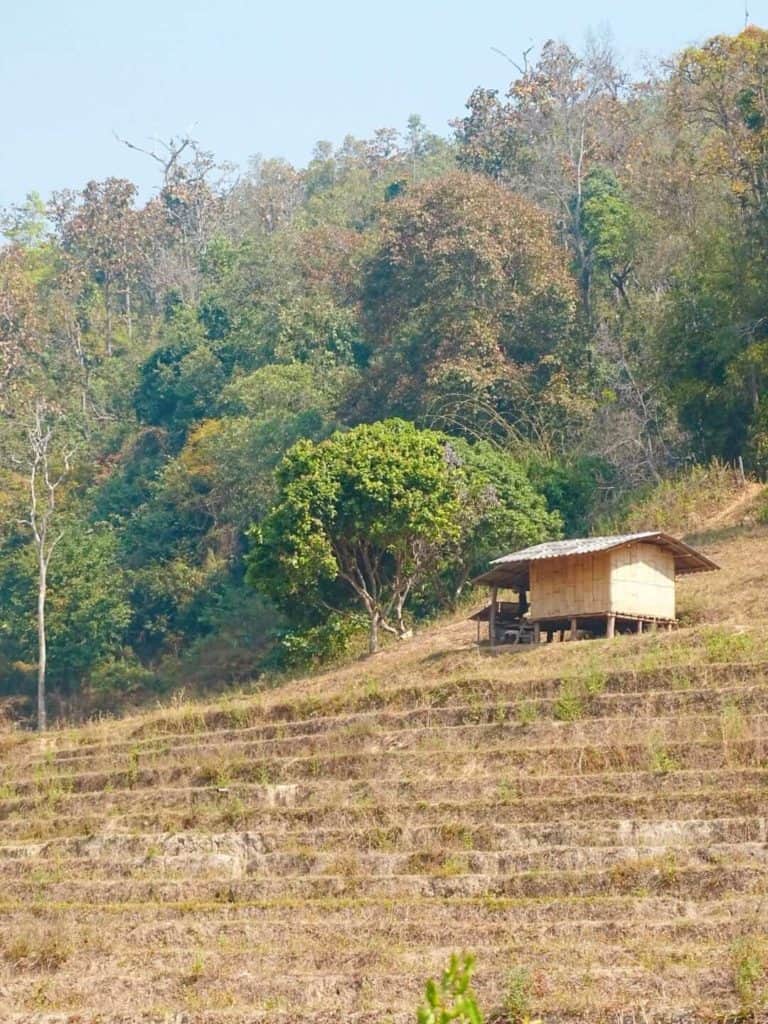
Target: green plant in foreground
{"x":659,"y":758}
{"x":517,"y":1000}
{"x":750,"y":974}
{"x":451,"y":998}
{"x":568,"y":706}
{"x":527,"y":713}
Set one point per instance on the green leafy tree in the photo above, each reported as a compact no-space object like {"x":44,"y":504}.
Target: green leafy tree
{"x":226,"y":468}
{"x":608,"y":227}
{"x":501,"y":510}
{"x":87,"y":603}
{"x":373,"y":508}
{"x":712,"y":344}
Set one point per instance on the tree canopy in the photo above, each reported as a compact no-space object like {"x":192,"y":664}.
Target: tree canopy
{"x":373,"y":507}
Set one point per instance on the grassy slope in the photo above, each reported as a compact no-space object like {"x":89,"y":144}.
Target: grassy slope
{"x":593,"y":813}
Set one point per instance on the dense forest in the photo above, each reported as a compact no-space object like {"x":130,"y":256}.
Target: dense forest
{"x":568,"y":296}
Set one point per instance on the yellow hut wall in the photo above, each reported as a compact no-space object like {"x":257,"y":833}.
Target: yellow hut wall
{"x":638,"y":580}
{"x":578,"y":585}
{"x":643,"y":581}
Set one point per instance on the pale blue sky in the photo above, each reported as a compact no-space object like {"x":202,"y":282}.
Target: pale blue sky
{"x":274,"y":78}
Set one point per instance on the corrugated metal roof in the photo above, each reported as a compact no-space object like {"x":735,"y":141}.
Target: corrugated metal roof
{"x":575,"y":546}
{"x":514,"y":570}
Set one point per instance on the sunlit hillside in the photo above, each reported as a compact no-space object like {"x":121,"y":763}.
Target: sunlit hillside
{"x":587,"y":818}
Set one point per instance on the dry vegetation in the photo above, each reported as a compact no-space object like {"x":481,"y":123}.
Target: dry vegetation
{"x":589,"y":819}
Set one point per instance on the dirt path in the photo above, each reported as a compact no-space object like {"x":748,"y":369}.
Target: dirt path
{"x":746,"y":496}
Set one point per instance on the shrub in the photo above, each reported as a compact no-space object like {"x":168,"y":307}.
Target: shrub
{"x":315,"y":645}
{"x":660,"y":760}
{"x":721,"y":645}
{"x":42,"y":949}
{"x":517,"y":1001}
{"x":451,"y":998}
{"x":568,"y":706}
{"x":750,"y":974}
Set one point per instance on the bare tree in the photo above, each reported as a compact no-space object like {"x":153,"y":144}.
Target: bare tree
{"x":190,"y":204}
{"x":45,"y":472}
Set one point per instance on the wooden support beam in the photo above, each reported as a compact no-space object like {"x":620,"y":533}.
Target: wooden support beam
{"x":492,"y":617}
{"x":639,"y":625}
{"x":574,"y":629}
{"x":536,"y":633}
{"x":610,"y":626}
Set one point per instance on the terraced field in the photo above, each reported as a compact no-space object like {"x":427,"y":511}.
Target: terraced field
{"x":593,"y":814}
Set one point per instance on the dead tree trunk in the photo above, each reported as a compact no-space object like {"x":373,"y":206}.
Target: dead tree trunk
{"x":43,"y":486}
{"x":42,"y":643}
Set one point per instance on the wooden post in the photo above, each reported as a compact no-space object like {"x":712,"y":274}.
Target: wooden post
{"x":550,"y":636}
{"x":492,"y":617}
{"x":536,"y":633}
{"x":574,"y":629}
{"x":639,"y":625}
{"x":610,"y":626}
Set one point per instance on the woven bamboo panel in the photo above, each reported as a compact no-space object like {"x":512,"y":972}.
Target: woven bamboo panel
{"x":637,"y":580}
{"x":643,"y":581}
{"x":579,"y":585}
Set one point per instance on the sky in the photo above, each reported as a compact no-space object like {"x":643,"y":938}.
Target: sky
{"x":244,"y":77}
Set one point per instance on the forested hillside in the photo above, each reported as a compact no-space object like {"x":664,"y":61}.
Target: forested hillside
{"x":569,"y":294}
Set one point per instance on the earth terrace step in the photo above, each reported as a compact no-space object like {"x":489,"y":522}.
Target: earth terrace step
{"x":546,"y":747}
{"x":530,"y":838}
{"x":225,"y":957}
{"x":542,"y":701}
{"x":180,"y":860}
{"x":474,"y":789}
{"x":394,"y":731}
{"x":639,"y":1014}
{"x":378,"y":695}
{"x":546,"y":912}
{"x":399,"y":925}
{"x":385,"y":820}
{"x":603,"y":991}
{"x":307,"y":714}
{"x":380,"y":825}
{"x":359,"y":980}
{"x":655,"y":876}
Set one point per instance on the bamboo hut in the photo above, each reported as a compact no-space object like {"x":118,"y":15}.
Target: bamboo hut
{"x":594,"y":585}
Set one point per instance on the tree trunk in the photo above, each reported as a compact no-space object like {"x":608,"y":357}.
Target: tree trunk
{"x":128,"y":312}
{"x":108,"y":312}
{"x":373,"y":635}
{"x":42,"y":649}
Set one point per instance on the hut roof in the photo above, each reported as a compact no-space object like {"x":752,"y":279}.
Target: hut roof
{"x":513,"y":570}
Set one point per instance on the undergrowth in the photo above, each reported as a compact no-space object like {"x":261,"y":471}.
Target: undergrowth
{"x":678,"y":505}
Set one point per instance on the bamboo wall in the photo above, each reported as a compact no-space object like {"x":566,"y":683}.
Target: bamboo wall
{"x":643,"y":581}
{"x":638,"y":580}
{"x":578,"y":585}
